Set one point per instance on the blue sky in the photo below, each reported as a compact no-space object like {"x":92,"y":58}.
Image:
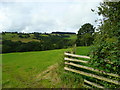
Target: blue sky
{"x":46,"y":15}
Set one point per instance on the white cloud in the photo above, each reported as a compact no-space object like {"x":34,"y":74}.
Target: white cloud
{"x":45,"y":16}
{"x":52,"y":0}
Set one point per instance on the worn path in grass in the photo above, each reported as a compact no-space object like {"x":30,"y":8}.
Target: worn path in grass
{"x":30,"y":69}
{"x":20,"y":69}
{"x":48,"y":78}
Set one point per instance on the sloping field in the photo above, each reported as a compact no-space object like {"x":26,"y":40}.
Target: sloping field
{"x":83,"y":50}
{"x":15,"y":37}
{"x":20,"y":70}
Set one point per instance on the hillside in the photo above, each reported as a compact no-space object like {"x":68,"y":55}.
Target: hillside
{"x":24,"y":42}
{"x":22,"y":69}
{"x":16,"y":37}
{"x":28,"y":37}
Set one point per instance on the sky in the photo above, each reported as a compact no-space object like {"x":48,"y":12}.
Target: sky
{"x":46,"y":15}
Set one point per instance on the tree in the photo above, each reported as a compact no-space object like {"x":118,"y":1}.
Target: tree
{"x":86,"y":28}
{"x":85,"y":35}
{"x":107,"y":43}
{"x":36,"y":35}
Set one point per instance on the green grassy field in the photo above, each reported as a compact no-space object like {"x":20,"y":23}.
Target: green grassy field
{"x":21,"y":69}
{"x":14,"y":37}
{"x":83,"y":50}
{"x":73,"y":37}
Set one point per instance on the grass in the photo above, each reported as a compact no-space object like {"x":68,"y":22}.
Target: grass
{"x":0,"y":71}
{"x":25,"y":40}
{"x":14,"y":37}
{"x":73,"y":37}
{"x":73,"y":80}
{"x":83,"y":50}
{"x":20,"y":70}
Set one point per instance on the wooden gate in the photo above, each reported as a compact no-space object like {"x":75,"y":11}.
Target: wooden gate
{"x":80,"y":64}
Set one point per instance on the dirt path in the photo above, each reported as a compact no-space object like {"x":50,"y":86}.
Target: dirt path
{"x":52,"y":67}
{"x":48,"y":78}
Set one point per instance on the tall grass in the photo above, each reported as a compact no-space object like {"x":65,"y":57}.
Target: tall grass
{"x":69,"y":79}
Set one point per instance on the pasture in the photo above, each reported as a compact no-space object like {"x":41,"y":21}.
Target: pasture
{"x":20,"y":70}
{"x":83,"y":50}
{"x":15,"y":37}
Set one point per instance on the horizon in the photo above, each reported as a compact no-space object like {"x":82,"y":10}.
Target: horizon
{"x":35,"y":32}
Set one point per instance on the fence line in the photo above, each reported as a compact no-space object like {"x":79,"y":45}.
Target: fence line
{"x":92,"y":75}
{"x":92,"y":69}
{"x":69,"y":62}
{"x":93,"y":84}
{"x":75,"y":60}
{"x":87,"y":86}
{"x":79,"y":56}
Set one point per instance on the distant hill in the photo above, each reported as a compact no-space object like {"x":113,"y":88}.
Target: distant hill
{"x":22,"y":42}
{"x":63,"y":33}
{"x":28,"y":37}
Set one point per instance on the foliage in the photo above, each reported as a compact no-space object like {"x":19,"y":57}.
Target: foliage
{"x":23,"y":37}
{"x":106,"y":51}
{"x":10,"y":46}
{"x":85,"y":35}
{"x":72,"y":80}
{"x":63,"y":33}
{"x":46,"y":42}
{"x":36,"y":36}
{"x":86,"y":28}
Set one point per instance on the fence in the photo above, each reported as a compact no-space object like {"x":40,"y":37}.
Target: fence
{"x":71,"y":61}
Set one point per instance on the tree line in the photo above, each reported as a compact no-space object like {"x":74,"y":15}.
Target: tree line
{"x":45,"y":43}
{"x":85,"y":37}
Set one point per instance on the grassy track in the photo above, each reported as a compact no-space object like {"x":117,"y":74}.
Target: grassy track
{"x":20,"y":69}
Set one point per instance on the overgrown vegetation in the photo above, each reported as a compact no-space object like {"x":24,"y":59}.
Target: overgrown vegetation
{"x":107,"y":42}
{"x":106,"y":51}
{"x":70,"y":79}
